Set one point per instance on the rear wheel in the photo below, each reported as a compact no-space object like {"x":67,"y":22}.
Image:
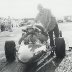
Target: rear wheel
{"x":60,"y":47}
{"x":10,"y":51}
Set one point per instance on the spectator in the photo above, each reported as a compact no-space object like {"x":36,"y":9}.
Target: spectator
{"x":2,"y":27}
{"x":49,"y":23}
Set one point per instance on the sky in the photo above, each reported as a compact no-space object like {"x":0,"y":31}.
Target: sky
{"x":28,"y":8}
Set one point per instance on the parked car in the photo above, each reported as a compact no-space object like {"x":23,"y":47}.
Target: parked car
{"x":60,"y":21}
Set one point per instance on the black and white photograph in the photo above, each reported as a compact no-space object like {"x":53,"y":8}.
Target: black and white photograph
{"x":35,"y":36}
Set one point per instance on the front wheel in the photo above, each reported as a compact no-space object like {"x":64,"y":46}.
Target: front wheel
{"x":10,"y":51}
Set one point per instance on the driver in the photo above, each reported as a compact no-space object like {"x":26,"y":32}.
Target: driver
{"x":34,"y":33}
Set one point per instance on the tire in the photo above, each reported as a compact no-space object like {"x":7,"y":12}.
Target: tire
{"x":60,"y":33}
{"x":10,"y":51}
{"x":60,"y":47}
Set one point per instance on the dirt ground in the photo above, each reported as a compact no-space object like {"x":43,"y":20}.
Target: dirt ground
{"x":50,"y":65}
